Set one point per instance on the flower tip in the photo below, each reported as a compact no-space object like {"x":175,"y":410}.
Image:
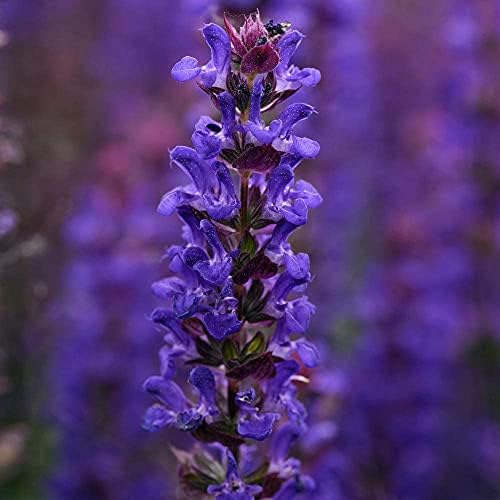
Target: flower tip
{"x":186,"y":69}
{"x":205,"y":26}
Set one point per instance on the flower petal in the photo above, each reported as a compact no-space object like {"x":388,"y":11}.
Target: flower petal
{"x":218,"y":41}
{"x":284,"y":370}
{"x":309,"y":77}
{"x":186,"y":69}
{"x":193,"y":254}
{"x":282,"y":441}
{"x":166,"y":391}
{"x":266,"y":135}
{"x":255,"y":100}
{"x":167,"y":357}
{"x":221,"y":325}
{"x":296,"y":213}
{"x":290,"y":488}
{"x":280,"y":233}
{"x":168,"y":287}
{"x":207,"y":145}
{"x":308,"y":353}
{"x":293,"y":114}
{"x":232,"y":466}
{"x":189,"y":419}
{"x":228,"y":111}
{"x":171,"y":200}
{"x":306,"y":191}
{"x":287,"y":46}
{"x":279,"y":179}
{"x":213,"y":237}
{"x":203,"y":379}
{"x":157,"y":417}
{"x":220,"y":210}
{"x":305,"y":147}
{"x":208,"y":75}
{"x":188,"y":160}
{"x":298,"y":314}
{"x":256,"y":426}
{"x":215,"y":273}
{"x":297,"y":265}
{"x":169,"y":320}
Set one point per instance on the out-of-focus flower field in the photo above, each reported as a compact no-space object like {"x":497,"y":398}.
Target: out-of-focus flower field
{"x":405,"y":249}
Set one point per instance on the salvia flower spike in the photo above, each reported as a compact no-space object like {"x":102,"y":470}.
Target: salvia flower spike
{"x":235,"y":315}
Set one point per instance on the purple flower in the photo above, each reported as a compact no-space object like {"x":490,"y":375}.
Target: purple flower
{"x":218,"y":41}
{"x":288,"y":468}
{"x":221,"y":325}
{"x":235,"y":305}
{"x":279,"y":133}
{"x":252,"y":423}
{"x":174,"y":408}
{"x":233,"y":488}
{"x":289,"y":76}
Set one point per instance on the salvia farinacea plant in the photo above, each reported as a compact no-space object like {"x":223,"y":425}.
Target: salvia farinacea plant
{"x":235,"y":313}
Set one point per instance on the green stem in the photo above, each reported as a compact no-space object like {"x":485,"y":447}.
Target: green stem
{"x":232,"y":385}
{"x":244,"y":113}
{"x":232,"y":409}
{"x":232,"y":389}
{"x":245,"y":176}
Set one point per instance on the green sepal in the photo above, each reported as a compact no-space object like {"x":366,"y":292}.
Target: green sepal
{"x":229,"y":350}
{"x":254,"y":347}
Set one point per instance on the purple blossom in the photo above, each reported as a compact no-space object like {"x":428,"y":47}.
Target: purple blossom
{"x":218,"y":41}
{"x":233,"y":488}
{"x":175,"y":408}
{"x":252,"y":423}
{"x":234,"y":306}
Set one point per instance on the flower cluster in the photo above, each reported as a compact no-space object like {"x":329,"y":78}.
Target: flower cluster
{"x":235,"y":312}
{"x":94,"y":370}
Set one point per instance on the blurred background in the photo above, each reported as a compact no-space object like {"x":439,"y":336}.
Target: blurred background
{"x":405,"y":248}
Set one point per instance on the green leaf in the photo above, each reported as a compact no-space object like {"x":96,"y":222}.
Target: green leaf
{"x":229,"y":155}
{"x":221,"y":432}
{"x":209,"y":467}
{"x":258,"y":368}
{"x":260,"y":267}
{"x":194,"y":481}
{"x":203,"y":361}
{"x":261,"y":223}
{"x":258,"y":317}
{"x":248,"y":244}
{"x":241,"y":262}
{"x":254,"y":293}
{"x":233,"y":223}
{"x":244,"y":269}
{"x":229,"y":350}
{"x":206,"y":350}
{"x":257,"y":475}
{"x":256,"y":204}
{"x":255,"y":346}
{"x":183,"y":457}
